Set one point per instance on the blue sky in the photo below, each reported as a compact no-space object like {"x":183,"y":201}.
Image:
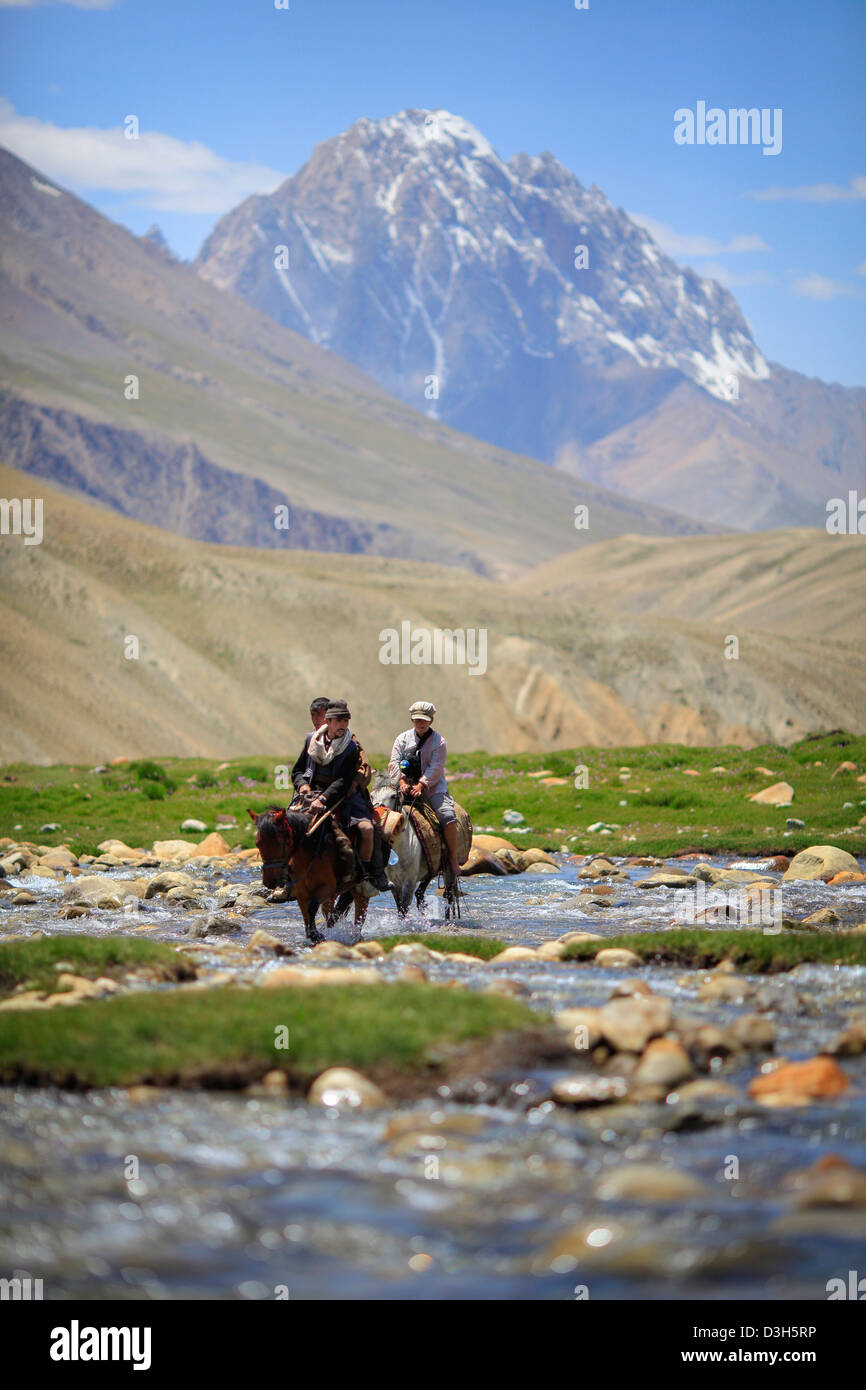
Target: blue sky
{"x":232,"y":95}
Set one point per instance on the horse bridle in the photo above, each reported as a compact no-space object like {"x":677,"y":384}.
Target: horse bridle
{"x":282,"y":863}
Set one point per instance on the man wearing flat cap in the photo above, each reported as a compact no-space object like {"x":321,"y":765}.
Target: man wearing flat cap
{"x":417,"y":767}
{"x":333,"y":758}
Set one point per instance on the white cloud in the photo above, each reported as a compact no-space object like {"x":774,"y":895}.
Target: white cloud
{"x":813,"y":193}
{"x":157,"y":170}
{"x":676,"y":244}
{"x":861,"y":269}
{"x":815,"y":286}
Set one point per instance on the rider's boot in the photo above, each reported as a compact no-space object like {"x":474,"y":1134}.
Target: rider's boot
{"x":374,"y":867}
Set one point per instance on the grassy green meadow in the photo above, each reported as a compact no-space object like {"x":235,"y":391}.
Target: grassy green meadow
{"x":656,"y":806}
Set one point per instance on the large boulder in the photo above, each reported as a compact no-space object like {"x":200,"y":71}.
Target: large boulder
{"x":494,"y":843}
{"x":122,"y":852}
{"x":214,"y":845}
{"x":483,"y":862}
{"x":821,"y":861}
{"x":165,"y":882}
{"x":780,"y":794}
{"x":94,"y":888}
{"x":343,"y":1088}
{"x":177,"y":850}
{"x":531,"y":860}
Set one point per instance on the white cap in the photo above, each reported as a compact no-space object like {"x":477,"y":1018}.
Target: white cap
{"x":422,"y":709}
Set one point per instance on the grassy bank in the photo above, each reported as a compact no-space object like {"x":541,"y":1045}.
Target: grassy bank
{"x":228,"y":1037}
{"x":751,"y":950}
{"x":37,"y":964}
{"x":666,"y":809}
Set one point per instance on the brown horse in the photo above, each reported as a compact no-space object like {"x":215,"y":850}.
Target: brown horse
{"x":306,"y":865}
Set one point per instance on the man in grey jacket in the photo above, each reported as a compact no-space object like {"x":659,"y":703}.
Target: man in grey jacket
{"x":417,"y":767}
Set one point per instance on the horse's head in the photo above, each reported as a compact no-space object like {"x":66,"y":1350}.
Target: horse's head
{"x":383,"y":794}
{"x":274,"y":842}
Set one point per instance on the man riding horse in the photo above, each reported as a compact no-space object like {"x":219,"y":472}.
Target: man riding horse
{"x":334,"y":775}
{"x":417,"y":768}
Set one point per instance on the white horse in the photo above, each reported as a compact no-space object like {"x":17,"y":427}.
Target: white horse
{"x":411,"y":870}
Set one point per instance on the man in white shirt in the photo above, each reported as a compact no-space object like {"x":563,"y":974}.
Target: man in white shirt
{"x":417,"y":767}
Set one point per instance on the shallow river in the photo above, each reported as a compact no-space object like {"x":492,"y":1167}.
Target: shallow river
{"x":240,"y":1197}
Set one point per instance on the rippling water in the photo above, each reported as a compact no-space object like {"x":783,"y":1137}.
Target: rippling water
{"x":200,"y":1195}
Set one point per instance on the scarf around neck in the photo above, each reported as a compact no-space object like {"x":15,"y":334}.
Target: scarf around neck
{"x":321,"y":753}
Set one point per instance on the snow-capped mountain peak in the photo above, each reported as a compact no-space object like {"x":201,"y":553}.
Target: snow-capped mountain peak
{"x":412,"y":248}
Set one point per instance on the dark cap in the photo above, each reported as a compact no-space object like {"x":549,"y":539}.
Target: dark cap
{"x":338,"y":709}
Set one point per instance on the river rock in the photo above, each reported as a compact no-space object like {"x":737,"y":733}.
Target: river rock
{"x":198,"y":826}
{"x":847,"y":876}
{"x":512,"y":954}
{"x":306,"y":978}
{"x":729,"y":988}
{"x":648,"y":1182}
{"x":821,"y":861}
{"x":597,"y":868}
{"x":589,"y":1090}
{"x":851,"y":1042}
{"x":824,"y":918}
{"x":753,"y":1032}
{"x":571,"y":936}
{"x":121,"y":852}
{"x":583,"y":1025}
{"x":342,"y":1088}
{"x":493,"y":843}
{"x":175,"y":850}
{"x":831,"y":1182}
{"x":628,"y":1024}
{"x":705,"y":1090}
{"x":799,"y":1083}
{"x":60,"y":858}
{"x":483,"y":862}
{"x":213,"y":846}
{"x":665,"y":1062}
{"x":528,"y":857}
{"x":25,"y":999}
{"x":333,"y":950}
{"x":371,"y":949}
{"x":616,"y":957}
{"x":552,"y":950}
{"x":667,"y":880}
{"x":780,"y":794}
{"x":264,"y":941}
{"x":164,"y":882}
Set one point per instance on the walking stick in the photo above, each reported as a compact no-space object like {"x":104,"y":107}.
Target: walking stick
{"x":324,"y":816}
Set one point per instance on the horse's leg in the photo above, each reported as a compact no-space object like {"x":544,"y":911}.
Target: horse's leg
{"x":362,"y":902}
{"x":309,"y":906}
{"x":343,"y":903}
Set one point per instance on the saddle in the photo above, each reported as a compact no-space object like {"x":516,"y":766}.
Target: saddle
{"x":425,"y":823}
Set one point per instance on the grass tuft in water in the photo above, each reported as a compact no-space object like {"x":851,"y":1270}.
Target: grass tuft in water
{"x":230,"y":1037}
{"x":751,"y":950}
{"x":33,"y":963}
